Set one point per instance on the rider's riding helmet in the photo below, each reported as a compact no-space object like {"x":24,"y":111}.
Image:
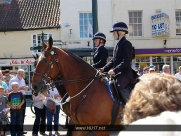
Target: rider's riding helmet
{"x":99,"y":35}
{"x":120,"y":26}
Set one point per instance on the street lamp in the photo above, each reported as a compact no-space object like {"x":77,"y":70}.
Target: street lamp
{"x":42,"y":36}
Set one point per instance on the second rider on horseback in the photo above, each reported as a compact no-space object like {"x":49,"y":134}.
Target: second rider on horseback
{"x":120,"y":65}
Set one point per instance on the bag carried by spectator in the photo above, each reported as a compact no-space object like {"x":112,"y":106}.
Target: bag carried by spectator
{"x":51,"y":105}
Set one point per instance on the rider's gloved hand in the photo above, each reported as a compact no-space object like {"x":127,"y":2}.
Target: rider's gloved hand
{"x":101,"y":70}
{"x":111,"y":73}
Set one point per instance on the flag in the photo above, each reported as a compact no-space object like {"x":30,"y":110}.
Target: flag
{"x":90,"y":29}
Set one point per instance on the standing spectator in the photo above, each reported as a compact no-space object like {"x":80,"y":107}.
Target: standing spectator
{"x":4,"y":85}
{"x":22,"y":88}
{"x":145,"y":70}
{"x":166,"y":69}
{"x":15,"y":101}
{"x":3,"y":104}
{"x":7,"y":76}
{"x":50,"y":114}
{"x":13,"y":73}
{"x":155,"y":100}
{"x":178,"y":75}
{"x":40,"y":113}
{"x":151,"y":70}
{"x":1,"y":75}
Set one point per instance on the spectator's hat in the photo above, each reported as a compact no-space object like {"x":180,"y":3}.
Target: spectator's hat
{"x":145,"y":68}
{"x":151,"y":69}
{"x":152,"y":66}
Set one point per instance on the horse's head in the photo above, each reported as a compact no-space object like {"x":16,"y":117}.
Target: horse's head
{"x":46,"y":69}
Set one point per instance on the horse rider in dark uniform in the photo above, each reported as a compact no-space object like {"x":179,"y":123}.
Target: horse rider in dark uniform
{"x":101,"y":54}
{"x":120,"y":65}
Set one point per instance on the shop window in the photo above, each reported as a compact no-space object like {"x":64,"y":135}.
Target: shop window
{"x":135,"y":24}
{"x":178,"y":22}
{"x":36,"y":41}
{"x":4,"y":68}
{"x":85,"y":25}
{"x":157,"y":59}
{"x":142,"y":62}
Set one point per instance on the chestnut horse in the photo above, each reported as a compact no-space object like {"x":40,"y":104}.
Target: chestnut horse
{"x":90,"y":102}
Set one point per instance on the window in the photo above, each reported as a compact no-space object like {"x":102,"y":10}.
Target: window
{"x":36,"y":41}
{"x":85,"y":25}
{"x":135,"y":23}
{"x":178,"y":22}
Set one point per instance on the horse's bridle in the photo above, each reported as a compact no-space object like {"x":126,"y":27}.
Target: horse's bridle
{"x":51,"y":82}
{"x":47,"y":75}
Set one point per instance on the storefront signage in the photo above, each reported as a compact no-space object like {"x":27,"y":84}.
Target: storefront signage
{"x":160,"y":25}
{"x":158,"y":51}
{"x":13,"y":62}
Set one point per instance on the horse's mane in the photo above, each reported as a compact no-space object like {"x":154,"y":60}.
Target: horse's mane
{"x":77,"y":58}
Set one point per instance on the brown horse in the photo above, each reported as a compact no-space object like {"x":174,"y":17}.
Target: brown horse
{"x":90,"y":101}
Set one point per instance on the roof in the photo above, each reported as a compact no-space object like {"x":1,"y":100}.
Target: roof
{"x":30,"y":14}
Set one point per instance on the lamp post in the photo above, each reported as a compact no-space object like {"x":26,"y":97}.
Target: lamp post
{"x":42,"y":36}
{"x":94,"y":18}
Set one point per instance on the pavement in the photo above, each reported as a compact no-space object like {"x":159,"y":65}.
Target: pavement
{"x":30,"y":117}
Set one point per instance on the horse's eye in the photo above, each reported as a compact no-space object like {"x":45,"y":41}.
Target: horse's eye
{"x":44,"y":60}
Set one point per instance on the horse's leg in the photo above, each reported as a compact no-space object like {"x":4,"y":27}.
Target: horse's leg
{"x":79,"y":133}
{"x":101,"y":133}
{"x":69,"y":126}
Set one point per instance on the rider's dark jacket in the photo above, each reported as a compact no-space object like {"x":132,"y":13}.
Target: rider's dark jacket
{"x":121,"y":61}
{"x":100,"y":57}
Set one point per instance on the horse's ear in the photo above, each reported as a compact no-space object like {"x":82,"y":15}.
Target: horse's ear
{"x":44,"y":45}
{"x":50,"y":42}
{"x":34,"y":57}
{"x":37,"y":56}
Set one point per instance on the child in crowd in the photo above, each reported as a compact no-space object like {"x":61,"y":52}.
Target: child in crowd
{"x":15,"y":101}
{"x":3,"y":102}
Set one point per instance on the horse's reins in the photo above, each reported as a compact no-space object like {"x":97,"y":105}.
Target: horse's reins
{"x":51,"y":82}
{"x":47,"y":75}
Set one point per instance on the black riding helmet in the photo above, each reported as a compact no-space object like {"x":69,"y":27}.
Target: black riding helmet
{"x":119,"y":26}
{"x":99,"y":35}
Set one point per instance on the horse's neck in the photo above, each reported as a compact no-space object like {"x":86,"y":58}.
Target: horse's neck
{"x":74,"y":70}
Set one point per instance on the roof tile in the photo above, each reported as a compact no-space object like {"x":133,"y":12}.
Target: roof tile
{"x":29,"y":14}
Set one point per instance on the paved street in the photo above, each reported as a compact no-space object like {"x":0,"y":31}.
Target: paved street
{"x":30,"y":117}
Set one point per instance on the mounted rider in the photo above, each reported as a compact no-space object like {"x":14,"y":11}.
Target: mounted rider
{"x":120,"y":65}
{"x":101,"y":54}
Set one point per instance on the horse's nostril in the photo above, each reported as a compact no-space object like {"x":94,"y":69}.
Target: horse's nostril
{"x":35,"y":87}
{"x":34,"y":93}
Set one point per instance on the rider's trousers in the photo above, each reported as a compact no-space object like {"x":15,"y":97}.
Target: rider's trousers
{"x":122,"y":82}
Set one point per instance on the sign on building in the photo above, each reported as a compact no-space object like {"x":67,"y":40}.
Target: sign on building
{"x":16,"y":62}
{"x":160,"y":25}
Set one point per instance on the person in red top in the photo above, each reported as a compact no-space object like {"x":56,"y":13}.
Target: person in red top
{"x":15,"y":101}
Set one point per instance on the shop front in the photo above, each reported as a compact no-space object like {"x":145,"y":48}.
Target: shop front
{"x":15,"y":64}
{"x":158,"y":57}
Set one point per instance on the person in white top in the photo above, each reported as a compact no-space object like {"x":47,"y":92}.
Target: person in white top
{"x":50,"y":114}
{"x":178,"y":75}
{"x":40,"y":113}
{"x":22,"y":88}
{"x":166,"y":69}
